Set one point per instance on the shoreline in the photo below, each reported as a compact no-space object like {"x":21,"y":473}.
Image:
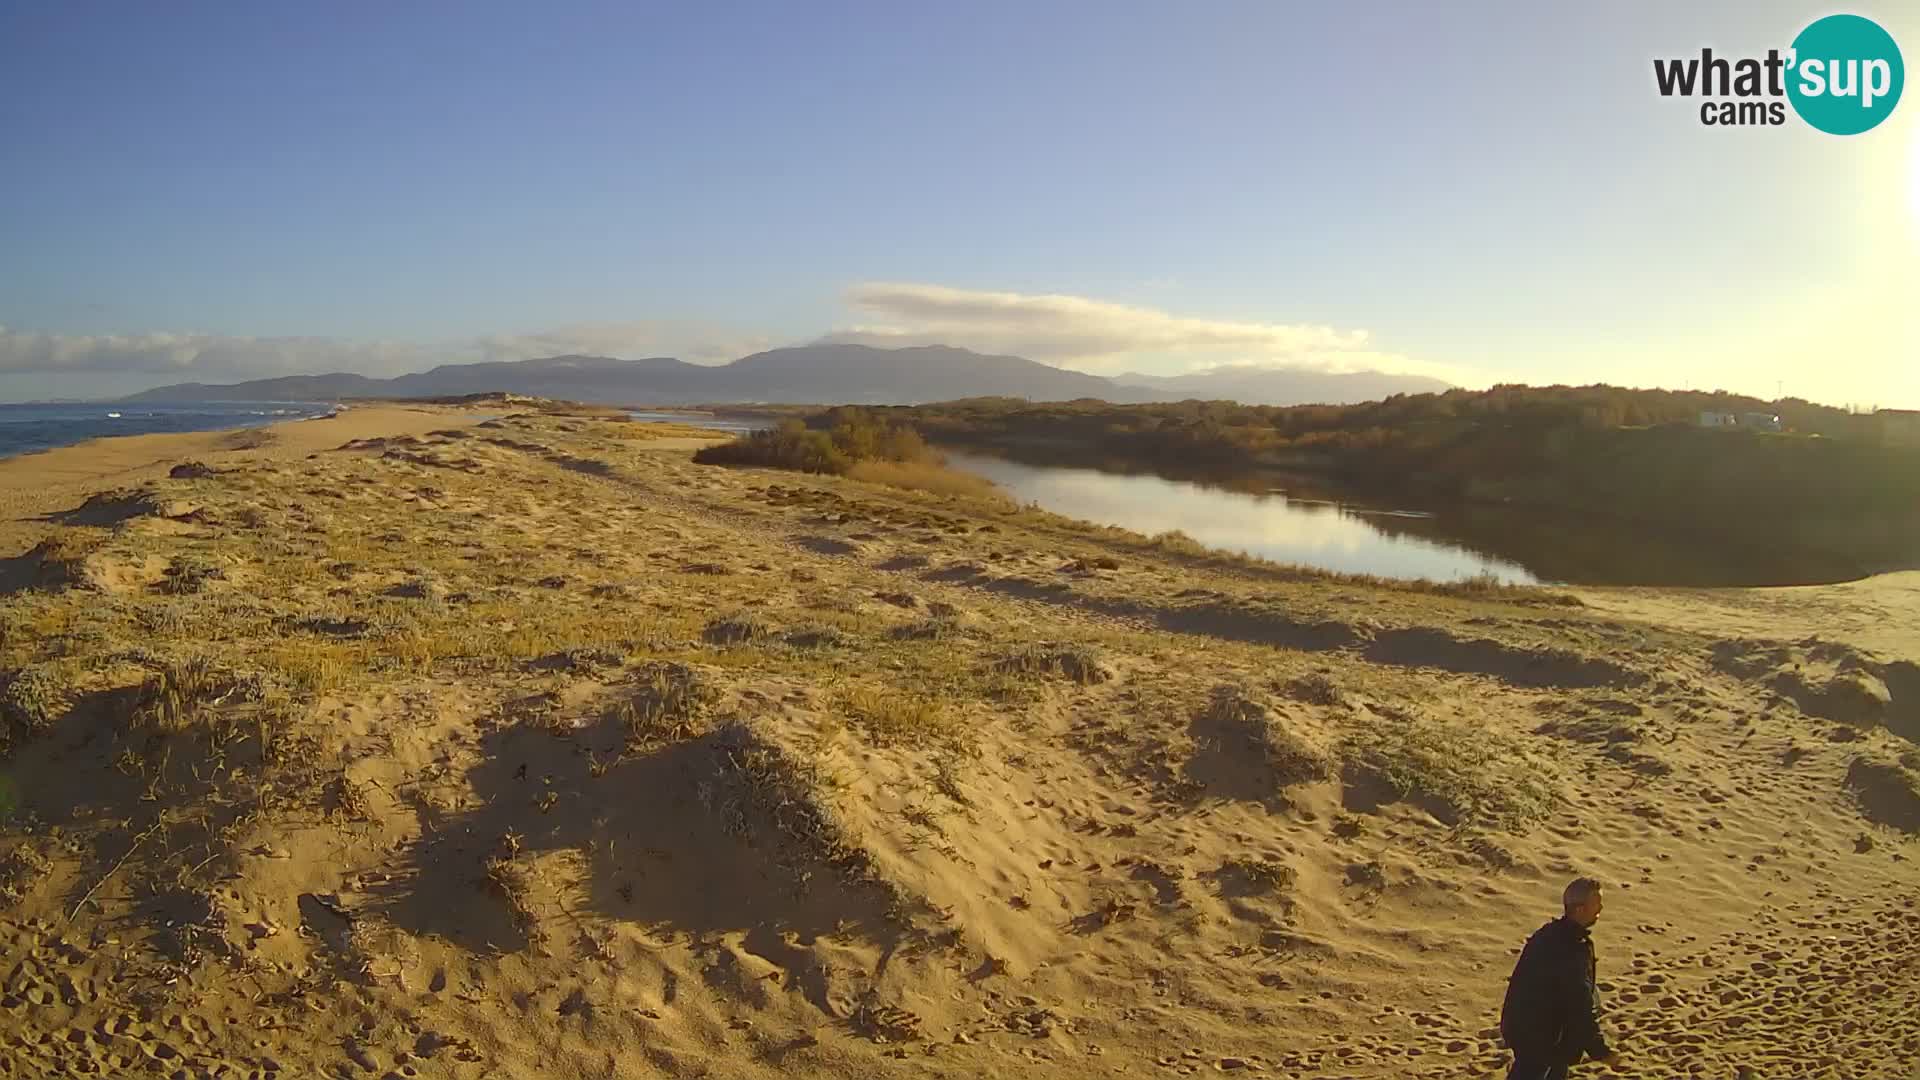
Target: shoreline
{"x":35,"y":484}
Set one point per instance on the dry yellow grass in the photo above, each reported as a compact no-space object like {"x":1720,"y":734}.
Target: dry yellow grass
{"x":894,"y":717}
{"x":313,"y":666}
{"x":924,"y":476}
{"x":643,"y":431}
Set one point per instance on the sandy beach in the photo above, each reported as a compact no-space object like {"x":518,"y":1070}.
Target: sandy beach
{"x":438,"y":742}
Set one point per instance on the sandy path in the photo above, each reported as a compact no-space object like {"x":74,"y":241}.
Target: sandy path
{"x":1881,"y":614}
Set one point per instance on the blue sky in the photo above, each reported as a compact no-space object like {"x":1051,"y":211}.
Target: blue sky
{"x":1491,"y":192}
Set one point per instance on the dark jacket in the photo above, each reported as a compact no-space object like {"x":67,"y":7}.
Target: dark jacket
{"x":1550,"y":1014}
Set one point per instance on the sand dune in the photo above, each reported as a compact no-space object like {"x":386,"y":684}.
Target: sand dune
{"x":420,"y":745}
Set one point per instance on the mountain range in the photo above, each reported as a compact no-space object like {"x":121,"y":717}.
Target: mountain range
{"x":812,"y":374}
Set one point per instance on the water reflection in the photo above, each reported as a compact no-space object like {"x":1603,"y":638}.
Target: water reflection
{"x":1312,"y":531}
{"x":1249,"y":511}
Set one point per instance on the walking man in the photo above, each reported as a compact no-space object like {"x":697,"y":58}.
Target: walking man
{"x":1550,"y":1018}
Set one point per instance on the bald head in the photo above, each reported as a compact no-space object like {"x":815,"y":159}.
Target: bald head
{"x":1582,"y":900}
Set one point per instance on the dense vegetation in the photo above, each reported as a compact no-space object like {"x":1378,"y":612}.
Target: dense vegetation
{"x":1409,"y":422}
{"x":1825,"y":484}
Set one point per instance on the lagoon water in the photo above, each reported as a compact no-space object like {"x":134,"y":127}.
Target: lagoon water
{"x":733,"y":425}
{"x":1320,"y":532}
{"x":1363,"y":533}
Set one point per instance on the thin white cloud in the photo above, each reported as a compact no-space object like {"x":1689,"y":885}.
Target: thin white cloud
{"x":696,"y":343}
{"x":1357,"y":360}
{"x":202,"y":356}
{"x":1098,"y":335}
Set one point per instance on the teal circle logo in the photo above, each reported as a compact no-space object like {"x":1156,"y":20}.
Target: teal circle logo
{"x":1845,"y":74}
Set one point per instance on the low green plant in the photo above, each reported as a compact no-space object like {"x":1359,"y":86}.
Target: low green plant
{"x":669,"y":702}
{"x":32,"y":699}
{"x":1261,"y":874}
{"x":1479,"y":777}
{"x":21,"y":869}
{"x":741,"y":628}
{"x":175,"y":694}
{"x":1314,"y":688}
{"x":1293,"y":758}
{"x":1076,"y":663}
{"x":189,"y":574}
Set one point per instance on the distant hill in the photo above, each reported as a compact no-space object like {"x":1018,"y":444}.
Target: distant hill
{"x":601,"y":379}
{"x":810,"y":374}
{"x":288,"y":388}
{"x":866,"y":375}
{"x":814,"y":375}
{"x":1286,"y":386}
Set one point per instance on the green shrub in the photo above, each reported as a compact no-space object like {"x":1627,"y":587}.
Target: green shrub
{"x":789,"y":446}
{"x":849,"y":437}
